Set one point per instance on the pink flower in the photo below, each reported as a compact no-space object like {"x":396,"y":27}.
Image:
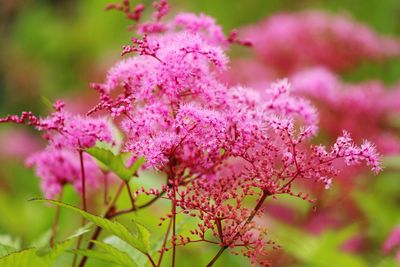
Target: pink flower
{"x":370,"y":103}
{"x":288,"y":42}
{"x":58,"y":167}
{"x":65,"y":130}
{"x":218,"y":145}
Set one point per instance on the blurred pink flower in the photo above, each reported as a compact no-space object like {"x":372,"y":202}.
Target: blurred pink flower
{"x":393,"y":242}
{"x":57,"y":167}
{"x":22,"y":143}
{"x":362,"y":109}
{"x":289,"y":42}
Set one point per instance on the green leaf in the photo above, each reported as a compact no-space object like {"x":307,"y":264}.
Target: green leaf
{"x":116,"y":163}
{"x":138,"y":240}
{"x":318,"y":251}
{"x":82,"y":230}
{"x":134,"y":254}
{"x":5,"y":250}
{"x":33,"y":257}
{"x":108,"y":253}
{"x":13,"y":242}
{"x":23,"y":258}
{"x":52,"y":254}
{"x":47,"y":103}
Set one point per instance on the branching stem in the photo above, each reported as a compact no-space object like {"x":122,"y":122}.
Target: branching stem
{"x":260,"y":202}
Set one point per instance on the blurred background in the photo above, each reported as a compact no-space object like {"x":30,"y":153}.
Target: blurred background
{"x":53,"y":49}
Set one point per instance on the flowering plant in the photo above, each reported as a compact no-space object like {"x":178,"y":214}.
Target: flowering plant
{"x":222,"y":150}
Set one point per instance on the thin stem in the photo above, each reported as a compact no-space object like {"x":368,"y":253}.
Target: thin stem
{"x":111,"y":213}
{"x":84,"y":205}
{"x":95,"y":235}
{"x":219,"y":226}
{"x":213,"y":260}
{"x":145,"y":205}
{"x":150,"y":259}
{"x":55,"y":222}
{"x":164,"y":244}
{"x":97,"y":231}
{"x":83,"y":180}
{"x":130,"y":195}
{"x":173,"y":222}
{"x":105,"y":196}
{"x":260,"y":202}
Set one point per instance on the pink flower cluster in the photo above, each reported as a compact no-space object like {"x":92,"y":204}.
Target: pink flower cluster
{"x":289,"y":42}
{"x":371,"y":103}
{"x":58,"y":164}
{"x":218,"y":145}
{"x":311,"y":48}
{"x":57,"y":167}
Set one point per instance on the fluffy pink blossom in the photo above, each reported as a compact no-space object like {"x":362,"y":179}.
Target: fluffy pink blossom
{"x":288,"y":42}
{"x":65,"y":130}
{"x":235,"y":142}
{"x":218,"y":145}
{"x":57,"y":167}
{"x":67,"y":135}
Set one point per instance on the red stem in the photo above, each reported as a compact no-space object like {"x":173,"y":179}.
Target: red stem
{"x":83,"y":180}
{"x":173,"y":222}
{"x":164,"y":244}
{"x":55,"y":222}
{"x":97,"y":231}
{"x":260,"y":202}
{"x":84,"y":206}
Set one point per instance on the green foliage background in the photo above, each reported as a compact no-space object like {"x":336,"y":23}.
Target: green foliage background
{"x":55,"y":48}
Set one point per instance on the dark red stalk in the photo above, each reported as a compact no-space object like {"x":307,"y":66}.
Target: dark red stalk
{"x":260,"y":202}
{"x":164,"y":244}
{"x":55,"y":222}
{"x":105,"y":188}
{"x":173,"y":222}
{"x":84,"y":205}
{"x":97,"y":231}
{"x":130,"y":196}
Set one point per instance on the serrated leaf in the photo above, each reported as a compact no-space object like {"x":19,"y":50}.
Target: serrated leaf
{"x":5,"y":250}
{"x":138,"y":240}
{"x":116,"y":163}
{"x":52,"y":254}
{"x":108,"y":253}
{"x":111,"y":254}
{"x":134,"y":254}
{"x":23,"y":258}
{"x":33,"y":257}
